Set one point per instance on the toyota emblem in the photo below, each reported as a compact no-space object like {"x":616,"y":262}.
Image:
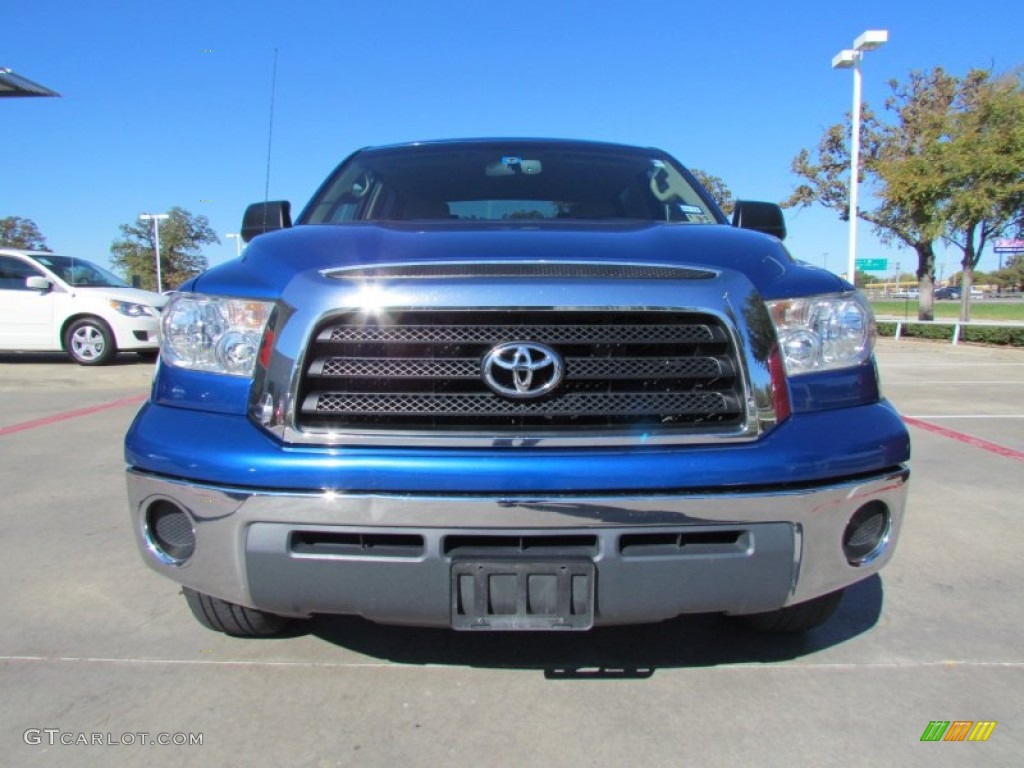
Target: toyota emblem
{"x":523,"y":369}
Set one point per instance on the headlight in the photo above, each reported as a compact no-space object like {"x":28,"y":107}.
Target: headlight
{"x":823,"y":333}
{"x":211,"y":333}
{"x":133,"y":310}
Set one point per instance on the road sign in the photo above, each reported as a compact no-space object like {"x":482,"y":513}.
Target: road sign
{"x":872,"y":265}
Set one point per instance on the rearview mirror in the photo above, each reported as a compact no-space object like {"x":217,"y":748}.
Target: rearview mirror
{"x":760,"y":217}
{"x":37,"y":283}
{"x":260,"y":218}
{"x":513,"y":166}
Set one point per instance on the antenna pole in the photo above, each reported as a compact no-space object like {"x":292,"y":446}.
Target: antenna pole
{"x":270,"y":137}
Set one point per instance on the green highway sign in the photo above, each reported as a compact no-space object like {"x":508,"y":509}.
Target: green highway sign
{"x":872,"y":265}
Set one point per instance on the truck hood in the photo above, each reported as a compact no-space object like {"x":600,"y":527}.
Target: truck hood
{"x":271,"y":261}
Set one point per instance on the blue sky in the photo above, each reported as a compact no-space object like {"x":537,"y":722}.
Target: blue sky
{"x":167,"y":103}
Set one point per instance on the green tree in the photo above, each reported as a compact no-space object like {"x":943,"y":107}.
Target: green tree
{"x":983,"y":163}
{"x":908,"y":182}
{"x":16,"y":232}
{"x":979,"y":278}
{"x":181,"y":237}
{"x":1011,"y":276}
{"x":867,"y":278}
{"x":947,"y":164}
{"x":718,"y":190}
{"x":913,"y":220}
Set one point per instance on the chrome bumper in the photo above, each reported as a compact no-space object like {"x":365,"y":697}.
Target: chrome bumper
{"x":789,"y":546}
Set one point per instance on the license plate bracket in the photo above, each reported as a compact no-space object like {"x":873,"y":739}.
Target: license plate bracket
{"x":522,"y":595}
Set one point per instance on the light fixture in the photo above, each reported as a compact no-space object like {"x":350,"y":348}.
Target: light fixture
{"x":850,"y":59}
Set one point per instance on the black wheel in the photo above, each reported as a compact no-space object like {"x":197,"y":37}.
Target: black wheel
{"x":90,"y":341}
{"x":794,"y":618}
{"x":222,"y":616}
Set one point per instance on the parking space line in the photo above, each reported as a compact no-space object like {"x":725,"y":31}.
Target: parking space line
{"x":124,"y":401}
{"x":977,"y":442}
{"x":941,"y":416}
{"x":885,"y":365}
{"x":933,"y":383}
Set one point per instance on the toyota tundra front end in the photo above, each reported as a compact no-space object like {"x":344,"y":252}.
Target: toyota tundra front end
{"x":515,"y":385}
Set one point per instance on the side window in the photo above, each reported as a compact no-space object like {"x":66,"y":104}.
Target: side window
{"x":13,"y":273}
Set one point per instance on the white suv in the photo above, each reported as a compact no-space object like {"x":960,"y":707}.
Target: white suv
{"x":54,"y":303}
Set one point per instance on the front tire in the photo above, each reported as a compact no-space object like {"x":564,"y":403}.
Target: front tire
{"x":231,"y":619}
{"x":90,"y":341}
{"x":794,"y":618}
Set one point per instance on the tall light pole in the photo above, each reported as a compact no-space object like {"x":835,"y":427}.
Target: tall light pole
{"x":850,"y":59}
{"x":156,"y":218}
{"x":238,"y":242}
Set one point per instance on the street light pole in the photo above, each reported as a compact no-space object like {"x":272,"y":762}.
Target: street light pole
{"x":850,"y":59}
{"x":156,"y":218}
{"x":238,"y":242}
{"x":854,"y":171}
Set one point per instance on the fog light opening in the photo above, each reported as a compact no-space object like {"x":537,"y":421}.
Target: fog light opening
{"x":867,"y":533}
{"x":169,"y":533}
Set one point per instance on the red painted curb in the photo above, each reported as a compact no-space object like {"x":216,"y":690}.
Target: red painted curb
{"x":977,"y":442}
{"x":133,"y":400}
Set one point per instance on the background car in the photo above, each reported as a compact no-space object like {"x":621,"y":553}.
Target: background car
{"x":908,"y":293}
{"x":948,"y":292}
{"x":52,"y":303}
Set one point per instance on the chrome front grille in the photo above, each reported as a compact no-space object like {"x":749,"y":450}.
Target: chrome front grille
{"x":421,"y":371}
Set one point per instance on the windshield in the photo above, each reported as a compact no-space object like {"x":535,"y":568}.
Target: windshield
{"x":514,"y":182}
{"x":79,"y":272}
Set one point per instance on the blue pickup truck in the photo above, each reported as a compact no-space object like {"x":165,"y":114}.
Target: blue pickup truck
{"x":515,"y":385}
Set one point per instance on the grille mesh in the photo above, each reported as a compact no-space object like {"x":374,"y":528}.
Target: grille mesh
{"x":640,"y":368}
{"x":422,"y":371}
{"x":497,"y":334}
{"x":567,"y":405}
{"x":404,"y":369}
{"x":576,"y":368}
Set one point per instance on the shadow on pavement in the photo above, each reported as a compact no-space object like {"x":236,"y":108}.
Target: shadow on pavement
{"x":36,"y":358}
{"x":616,"y":652}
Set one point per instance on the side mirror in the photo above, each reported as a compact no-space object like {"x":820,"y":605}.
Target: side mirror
{"x":37,"y":283}
{"x":760,"y":217}
{"x":266,"y":217}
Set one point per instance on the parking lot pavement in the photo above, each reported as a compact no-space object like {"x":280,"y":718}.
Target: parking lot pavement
{"x":94,"y":646}
{"x":970,"y":389}
{"x":39,"y":385}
